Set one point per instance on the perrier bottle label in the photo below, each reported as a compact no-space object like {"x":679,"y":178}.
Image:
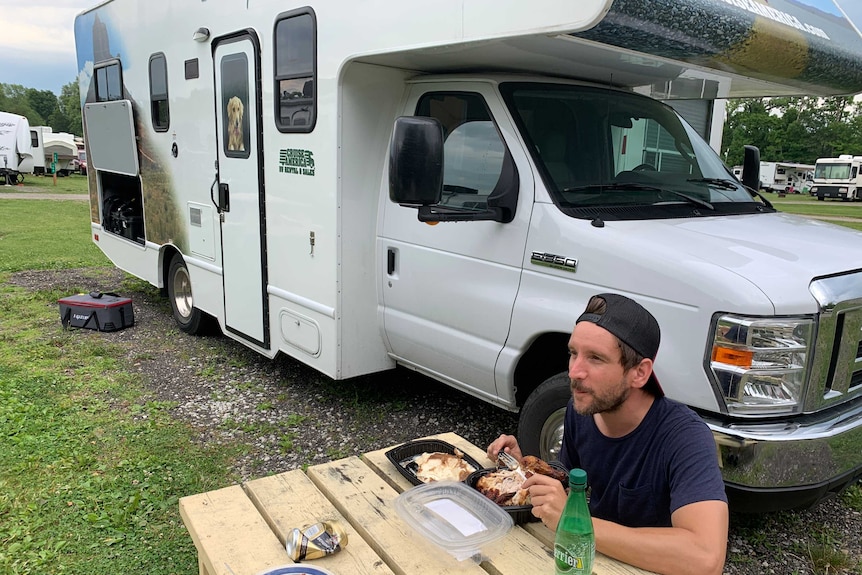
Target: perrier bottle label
{"x":574,"y":558}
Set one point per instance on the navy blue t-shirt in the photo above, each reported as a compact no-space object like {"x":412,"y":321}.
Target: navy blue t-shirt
{"x":640,"y":479}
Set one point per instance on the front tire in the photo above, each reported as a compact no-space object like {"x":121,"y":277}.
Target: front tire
{"x":189,"y":318}
{"x":540,"y":425}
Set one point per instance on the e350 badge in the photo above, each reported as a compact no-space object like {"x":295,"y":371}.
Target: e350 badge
{"x":554,"y":261}
{"x":294,"y":161}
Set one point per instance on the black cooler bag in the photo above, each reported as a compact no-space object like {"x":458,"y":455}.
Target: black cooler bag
{"x":96,"y":310}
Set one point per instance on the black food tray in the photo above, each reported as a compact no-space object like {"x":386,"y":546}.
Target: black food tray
{"x":399,"y":455}
{"x":519,"y":513}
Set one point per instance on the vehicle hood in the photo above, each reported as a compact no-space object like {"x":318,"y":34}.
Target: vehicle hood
{"x":776,"y":254}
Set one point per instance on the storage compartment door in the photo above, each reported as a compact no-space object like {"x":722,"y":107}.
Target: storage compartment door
{"x":111,"y":137}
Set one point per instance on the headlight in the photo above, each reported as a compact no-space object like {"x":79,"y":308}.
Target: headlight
{"x":759,"y":365}
{"x":842,"y":190}
{"x":814,"y":189}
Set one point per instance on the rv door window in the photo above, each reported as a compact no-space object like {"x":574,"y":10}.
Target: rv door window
{"x":236,"y":138}
{"x":109,"y":81}
{"x":295,"y":59}
{"x":159,"y":111}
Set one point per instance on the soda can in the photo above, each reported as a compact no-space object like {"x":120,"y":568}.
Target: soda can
{"x":316,"y":540}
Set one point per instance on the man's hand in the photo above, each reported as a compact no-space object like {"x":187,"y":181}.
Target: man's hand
{"x":548,"y":498}
{"x":506,"y":443}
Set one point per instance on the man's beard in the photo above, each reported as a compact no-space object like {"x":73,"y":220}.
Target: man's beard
{"x":607,"y":402}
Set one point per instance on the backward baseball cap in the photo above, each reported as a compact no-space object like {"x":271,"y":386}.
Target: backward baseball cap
{"x":632,"y":324}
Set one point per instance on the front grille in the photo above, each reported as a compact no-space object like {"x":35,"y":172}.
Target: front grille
{"x":836,"y":374}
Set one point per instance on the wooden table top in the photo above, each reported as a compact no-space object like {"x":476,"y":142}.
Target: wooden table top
{"x":241,"y":530}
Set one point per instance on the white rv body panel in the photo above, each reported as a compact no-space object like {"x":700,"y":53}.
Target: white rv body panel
{"x":38,"y":147}
{"x":16,"y":155}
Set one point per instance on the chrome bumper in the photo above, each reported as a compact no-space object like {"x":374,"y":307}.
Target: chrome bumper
{"x":804,"y":459}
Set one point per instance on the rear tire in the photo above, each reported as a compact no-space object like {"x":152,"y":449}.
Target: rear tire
{"x":189,"y":318}
{"x":540,"y":425}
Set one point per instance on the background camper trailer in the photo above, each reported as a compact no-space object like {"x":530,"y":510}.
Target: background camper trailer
{"x":45,"y":143}
{"x":358,"y":186}
{"x":16,"y":158}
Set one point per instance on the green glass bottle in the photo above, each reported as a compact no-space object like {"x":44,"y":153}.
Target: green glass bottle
{"x":575,"y":542}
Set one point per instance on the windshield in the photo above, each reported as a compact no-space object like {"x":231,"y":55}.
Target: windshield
{"x":603,"y":148}
{"x":832,"y":171}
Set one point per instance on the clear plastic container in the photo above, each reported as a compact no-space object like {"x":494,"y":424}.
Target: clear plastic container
{"x":454,"y":517}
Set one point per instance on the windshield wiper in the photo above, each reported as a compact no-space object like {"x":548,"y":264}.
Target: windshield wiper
{"x":756,"y":194}
{"x":613,"y":186}
{"x":692,"y":199}
{"x":717,"y":182}
{"x":646,"y":187}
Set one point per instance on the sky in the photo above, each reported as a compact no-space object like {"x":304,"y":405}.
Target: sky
{"x":37,"y":42}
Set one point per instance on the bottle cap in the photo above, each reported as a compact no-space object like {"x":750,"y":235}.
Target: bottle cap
{"x":577,"y":477}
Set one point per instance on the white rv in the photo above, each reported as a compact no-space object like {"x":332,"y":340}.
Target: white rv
{"x":360,"y":185}
{"x":47,"y":145}
{"x":779,"y":176}
{"x":839,"y":178}
{"x":16,"y":158}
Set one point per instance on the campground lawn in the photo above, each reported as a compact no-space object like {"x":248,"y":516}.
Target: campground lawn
{"x":92,"y":472}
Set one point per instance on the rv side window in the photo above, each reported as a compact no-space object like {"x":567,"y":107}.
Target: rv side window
{"x":473,"y":151}
{"x":34,"y":139}
{"x":159,"y":111}
{"x":853,"y":172}
{"x":109,"y":82}
{"x":295,"y":71}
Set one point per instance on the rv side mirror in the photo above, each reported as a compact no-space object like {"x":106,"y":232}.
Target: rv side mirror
{"x":416,"y":161}
{"x":751,"y":168}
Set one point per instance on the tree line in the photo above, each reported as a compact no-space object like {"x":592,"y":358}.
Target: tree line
{"x":792,"y":129}
{"x":43,"y":107}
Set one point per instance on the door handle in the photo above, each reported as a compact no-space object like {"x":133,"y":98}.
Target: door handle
{"x":224,"y":197}
{"x":390,"y":261}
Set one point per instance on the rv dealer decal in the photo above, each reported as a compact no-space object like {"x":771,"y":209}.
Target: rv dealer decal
{"x":294,"y":161}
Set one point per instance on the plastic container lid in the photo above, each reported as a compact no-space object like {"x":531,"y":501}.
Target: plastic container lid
{"x":453,"y":516}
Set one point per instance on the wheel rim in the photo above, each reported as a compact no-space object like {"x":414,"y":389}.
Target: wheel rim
{"x":551,"y":436}
{"x":183,"y":301}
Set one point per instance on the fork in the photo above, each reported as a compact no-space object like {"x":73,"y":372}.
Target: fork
{"x":508,"y":461}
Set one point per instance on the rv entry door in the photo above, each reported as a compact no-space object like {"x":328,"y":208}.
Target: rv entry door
{"x":241,"y":198}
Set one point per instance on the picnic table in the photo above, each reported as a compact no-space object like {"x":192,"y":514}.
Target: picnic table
{"x":241,"y":529}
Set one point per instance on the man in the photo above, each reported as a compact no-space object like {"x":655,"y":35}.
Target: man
{"x":657,"y":498}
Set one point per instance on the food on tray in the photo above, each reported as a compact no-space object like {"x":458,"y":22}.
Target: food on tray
{"x":438,"y":466}
{"x":504,"y":485}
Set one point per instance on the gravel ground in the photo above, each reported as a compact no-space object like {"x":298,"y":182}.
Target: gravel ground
{"x":286,"y":415}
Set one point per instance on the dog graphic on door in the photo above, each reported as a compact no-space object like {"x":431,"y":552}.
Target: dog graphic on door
{"x":235,"y":110}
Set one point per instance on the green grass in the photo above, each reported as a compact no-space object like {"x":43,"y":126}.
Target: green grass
{"x":72,"y":184}
{"x":92,"y":467}
{"x":46,"y":234}
{"x":821,"y":209}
